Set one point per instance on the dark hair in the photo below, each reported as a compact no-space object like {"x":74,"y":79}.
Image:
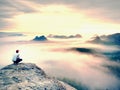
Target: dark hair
{"x":17,"y":51}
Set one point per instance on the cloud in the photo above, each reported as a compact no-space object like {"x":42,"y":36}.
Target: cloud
{"x":9,"y":9}
{"x":103,"y":9}
{"x":84,"y":50}
{"x":85,"y":71}
{"x":7,"y":34}
{"x":100,"y":9}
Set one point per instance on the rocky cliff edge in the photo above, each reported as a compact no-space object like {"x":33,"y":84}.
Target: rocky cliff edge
{"x":27,"y":76}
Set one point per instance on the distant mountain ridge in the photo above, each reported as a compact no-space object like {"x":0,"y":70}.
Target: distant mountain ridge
{"x":112,"y":39}
{"x":64,"y":36}
{"x":27,"y":76}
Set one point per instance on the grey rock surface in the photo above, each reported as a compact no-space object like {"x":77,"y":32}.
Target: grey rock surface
{"x":27,"y":76}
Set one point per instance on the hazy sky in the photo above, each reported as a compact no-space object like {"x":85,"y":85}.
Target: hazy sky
{"x":60,"y":16}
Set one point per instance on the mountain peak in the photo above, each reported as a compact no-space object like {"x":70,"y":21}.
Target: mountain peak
{"x":40,"y":38}
{"x":28,"y":76}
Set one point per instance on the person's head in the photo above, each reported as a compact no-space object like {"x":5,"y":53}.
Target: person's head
{"x":17,"y":51}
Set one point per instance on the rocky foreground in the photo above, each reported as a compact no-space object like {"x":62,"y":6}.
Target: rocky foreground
{"x":27,"y":76}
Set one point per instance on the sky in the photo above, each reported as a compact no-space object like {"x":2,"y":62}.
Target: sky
{"x":85,"y":17}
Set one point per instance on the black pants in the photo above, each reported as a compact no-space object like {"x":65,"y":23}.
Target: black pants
{"x":17,"y":61}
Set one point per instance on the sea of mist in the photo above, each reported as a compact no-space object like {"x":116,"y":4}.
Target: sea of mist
{"x":63,"y":58}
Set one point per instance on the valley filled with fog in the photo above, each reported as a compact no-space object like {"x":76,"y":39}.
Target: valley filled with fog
{"x":85,"y":65}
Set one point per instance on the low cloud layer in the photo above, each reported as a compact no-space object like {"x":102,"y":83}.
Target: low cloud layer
{"x":97,"y":73}
{"x":7,"y":34}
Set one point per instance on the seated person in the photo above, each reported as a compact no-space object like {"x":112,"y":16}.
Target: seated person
{"x":16,"y":58}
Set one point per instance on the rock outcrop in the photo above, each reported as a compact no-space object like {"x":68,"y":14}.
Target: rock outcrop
{"x":96,"y":39}
{"x":40,"y":38}
{"x":27,"y":76}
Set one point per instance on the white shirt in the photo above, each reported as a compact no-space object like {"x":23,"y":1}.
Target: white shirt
{"x":15,"y":56}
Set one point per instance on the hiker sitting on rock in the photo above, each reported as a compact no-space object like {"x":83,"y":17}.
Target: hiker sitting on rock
{"x":16,"y":58}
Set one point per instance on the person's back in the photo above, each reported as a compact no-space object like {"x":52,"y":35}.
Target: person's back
{"x":15,"y":56}
{"x":16,"y":59}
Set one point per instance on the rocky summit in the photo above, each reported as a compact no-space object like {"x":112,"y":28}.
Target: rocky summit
{"x":27,"y":76}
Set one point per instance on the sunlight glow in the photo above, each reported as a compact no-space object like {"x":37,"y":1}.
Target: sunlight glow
{"x":54,"y":19}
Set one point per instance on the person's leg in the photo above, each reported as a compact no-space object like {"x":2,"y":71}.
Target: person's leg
{"x":15,"y":62}
{"x":19,"y":60}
